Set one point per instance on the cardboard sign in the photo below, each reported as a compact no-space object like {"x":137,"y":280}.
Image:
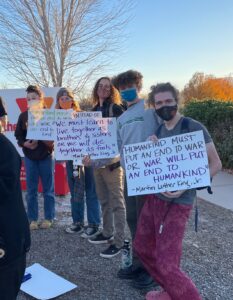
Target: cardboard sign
{"x":176,"y":163}
{"x":86,"y":136}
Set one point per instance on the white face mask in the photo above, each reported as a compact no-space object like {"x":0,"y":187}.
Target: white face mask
{"x":34,"y":104}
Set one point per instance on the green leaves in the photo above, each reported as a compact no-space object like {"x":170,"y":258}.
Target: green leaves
{"x":217,"y":116}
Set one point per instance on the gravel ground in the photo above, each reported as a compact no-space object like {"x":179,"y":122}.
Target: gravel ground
{"x":207,"y":258}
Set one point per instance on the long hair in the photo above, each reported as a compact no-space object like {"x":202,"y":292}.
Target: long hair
{"x":114,"y":94}
{"x":65,"y":91}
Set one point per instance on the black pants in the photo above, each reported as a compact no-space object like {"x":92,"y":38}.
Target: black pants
{"x":11,"y":277}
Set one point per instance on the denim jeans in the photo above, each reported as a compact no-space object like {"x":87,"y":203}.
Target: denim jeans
{"x":43,"y":169}
{"x":92,"y":202}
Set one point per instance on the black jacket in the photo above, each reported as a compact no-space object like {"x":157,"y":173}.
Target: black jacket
{"x":117,"y":110}
{"x":14,"y":227}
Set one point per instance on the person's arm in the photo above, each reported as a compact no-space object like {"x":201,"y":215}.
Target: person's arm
{"x":119,"y":140}
{"x":19,"y":132}
{"x":98,"y":163}
{"x":20,"y":135}
{"x":49,"y":144}
{"x":215,"y":164}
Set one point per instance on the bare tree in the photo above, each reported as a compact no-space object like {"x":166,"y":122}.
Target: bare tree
{"x":61,"y":42}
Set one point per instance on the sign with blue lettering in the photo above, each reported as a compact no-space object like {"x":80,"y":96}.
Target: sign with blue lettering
{"x":175,"y":163}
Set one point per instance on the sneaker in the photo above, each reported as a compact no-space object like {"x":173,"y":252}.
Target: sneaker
{"x":100,"y":239}
{"x":34,"y":225}
{"x":157,"y":295}
{"x":46,"y":224}
{"x":110,"y":252}
{"x":129,"y":272}
{"x":75,"y":228}
{"x":90,"y":232}
{"x":143,"y":281}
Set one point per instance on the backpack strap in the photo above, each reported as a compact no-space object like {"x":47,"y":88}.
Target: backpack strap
{"x":184,"y":126}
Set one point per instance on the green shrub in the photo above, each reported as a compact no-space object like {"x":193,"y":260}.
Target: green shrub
{"x":217,"y":116}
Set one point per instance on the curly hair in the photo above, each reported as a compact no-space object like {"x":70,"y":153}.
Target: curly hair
{"x":114,"y":94}
{"x":127,"y":79}
{"x":67,"y":92}
{"x":160,"y":88}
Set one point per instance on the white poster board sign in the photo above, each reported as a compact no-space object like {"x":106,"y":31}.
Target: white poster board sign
{"x":45,"y":284}
{"x":89,"y":114}
{"x":86,"y":136}
{"x":175,"y":163}
{"x":41,"y":122}
{"x":66,"y":114}
{"x":41,"y":125}
{"x":16,"y":102}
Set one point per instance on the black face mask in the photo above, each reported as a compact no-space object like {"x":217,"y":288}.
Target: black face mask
{"x":167,"y":112}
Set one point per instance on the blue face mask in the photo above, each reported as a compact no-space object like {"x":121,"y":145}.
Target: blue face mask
{"x":129,"y":95}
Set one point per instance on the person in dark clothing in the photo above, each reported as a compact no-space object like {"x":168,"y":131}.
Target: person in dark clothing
{"x":39,"y":163}
{"x":14,"y":227}
{"x":3,"y":115}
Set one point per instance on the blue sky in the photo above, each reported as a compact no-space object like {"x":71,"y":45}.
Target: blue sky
{"x":170,"y":40}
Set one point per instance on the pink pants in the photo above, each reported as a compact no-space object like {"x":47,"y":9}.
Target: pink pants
{"x":160,"y":253}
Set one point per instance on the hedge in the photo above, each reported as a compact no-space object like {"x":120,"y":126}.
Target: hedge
{"x":217,"y":116}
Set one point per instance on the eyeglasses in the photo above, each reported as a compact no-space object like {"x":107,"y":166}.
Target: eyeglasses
{"x":65,"y":98}
{"x":104,"y":87}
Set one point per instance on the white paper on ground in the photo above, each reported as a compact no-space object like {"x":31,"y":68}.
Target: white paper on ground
{"x":45,"y":284}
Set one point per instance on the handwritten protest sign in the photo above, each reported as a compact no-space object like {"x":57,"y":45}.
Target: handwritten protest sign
{"x":68,"y":114}
{"x":86,"y":136}
{"x":65,"y":114}
{"x":175,"y":163}
{"x":40,"y":124}
{"x":89,"y":114}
